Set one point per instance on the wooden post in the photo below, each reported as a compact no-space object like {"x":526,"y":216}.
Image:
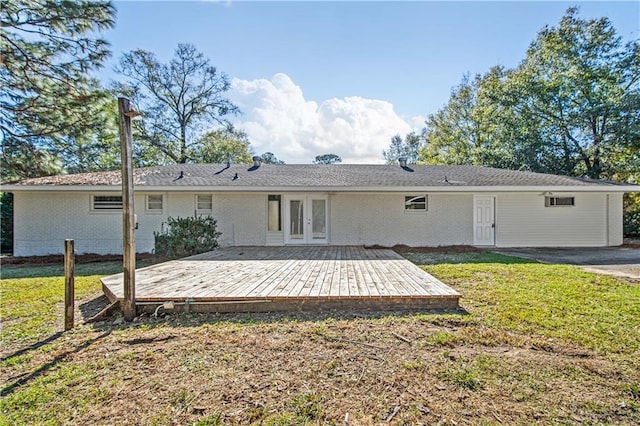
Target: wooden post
{"x":126,"y":113}
{"x":69,"y":281}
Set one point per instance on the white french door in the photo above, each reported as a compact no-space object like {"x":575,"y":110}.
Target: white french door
{"x":484,"y":223}
{"x":305,"y":218}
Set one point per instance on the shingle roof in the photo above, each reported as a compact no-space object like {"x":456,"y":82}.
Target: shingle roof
{"x":317,"y":175}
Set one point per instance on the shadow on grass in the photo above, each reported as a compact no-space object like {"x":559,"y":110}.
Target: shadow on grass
{"x":474,"y":257}
{"x":45,"y":367}
{"x":32,"y":347}
{"x":89,"y":308}
{"x":81,"y":270}
{"x":197,"y":319}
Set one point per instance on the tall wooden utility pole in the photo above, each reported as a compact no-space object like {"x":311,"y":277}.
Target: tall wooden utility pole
{"x":126,"y":113}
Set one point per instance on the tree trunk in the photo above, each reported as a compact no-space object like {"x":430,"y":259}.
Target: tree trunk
{"x":183,"y":143}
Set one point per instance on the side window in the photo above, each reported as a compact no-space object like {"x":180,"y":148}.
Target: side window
{"x":559,"y":201}
{"x":106,"y":202}
{"x":204,"y":202}
{"x":415,"y":203}
{"x":154,"y":203}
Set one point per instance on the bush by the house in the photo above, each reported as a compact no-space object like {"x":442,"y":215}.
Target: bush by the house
{"x":186,"y":236}
{"x":632,"y":223}
{"x":6,"y":222}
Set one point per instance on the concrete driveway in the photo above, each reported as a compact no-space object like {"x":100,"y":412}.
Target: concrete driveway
{"x":620,"y":261}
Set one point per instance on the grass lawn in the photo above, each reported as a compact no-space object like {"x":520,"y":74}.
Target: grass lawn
{"x":537,"y":343}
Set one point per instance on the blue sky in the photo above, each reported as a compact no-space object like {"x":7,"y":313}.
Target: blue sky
{"x":343,"y":77}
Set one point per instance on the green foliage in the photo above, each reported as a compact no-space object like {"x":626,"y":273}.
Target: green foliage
{"x":307,"y":406}
{"x":632,"y":223}
{"x":177,"y":99}
{"x":270,"y":158}
{"x":98,"y":149}
{"x":408,"y":148}
{"x":219,"y":146}
{"x":327,"y":159}
{"x":186,"y":236}
{"x":210,"y":420}
{"x":6,"y":222}
{"x":631,"y":209}
{"x":49,"y":49}
{"x":571,"y":107}
{"x":22,"y":159}
{"x":465,"y":378}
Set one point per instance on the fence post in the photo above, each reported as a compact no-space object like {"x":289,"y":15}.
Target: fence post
{"x":69,"y":281}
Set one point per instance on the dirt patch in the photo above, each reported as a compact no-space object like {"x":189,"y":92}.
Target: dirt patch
{"x":58,"y":259}
{"x":271,"y":369}
{"x":401,"y":248}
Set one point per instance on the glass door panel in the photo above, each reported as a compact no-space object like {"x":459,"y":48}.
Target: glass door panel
{"x":296,"y":219}
{"x":318,"y":219}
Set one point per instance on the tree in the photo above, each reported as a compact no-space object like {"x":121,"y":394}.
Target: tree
{"x":270,"y":158}
{"x":327,"y":159}
{"x":177,"y":99}
{"x":98,"y":149}
{"x":571,"y":107}
{"x":408,"y":148}
{"x":580,"y":85}
{"x":219,"y":146}
{"x":48,"y":52}
{"x":471,"y":128}
{"x":23,"y":160}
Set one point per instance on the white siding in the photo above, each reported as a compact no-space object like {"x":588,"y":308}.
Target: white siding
{"x":43,"y":220}
{"x":381,"y":219}
{"x":242,"y":218}
{"x":275,"y":238}
{"x":615,"y":219}
{"x":522,"y":220}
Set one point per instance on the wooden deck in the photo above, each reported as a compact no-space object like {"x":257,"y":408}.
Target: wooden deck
{"x":267,"y":279}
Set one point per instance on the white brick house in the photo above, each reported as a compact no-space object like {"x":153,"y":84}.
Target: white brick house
{"x":323,"y":204}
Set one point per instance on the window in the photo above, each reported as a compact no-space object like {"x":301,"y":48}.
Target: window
{"x":559,"y":201}
{"x":154,"y":203}
{"x":107,"y":202}
{"x":204,"y":202}
{"x":274,"y":205}
{"x":415,"y":203}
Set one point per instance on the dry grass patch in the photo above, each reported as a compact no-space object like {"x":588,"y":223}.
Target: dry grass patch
{"x":482,"y":367}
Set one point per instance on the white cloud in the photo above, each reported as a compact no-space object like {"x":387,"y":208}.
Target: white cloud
{"x":277,"y":118}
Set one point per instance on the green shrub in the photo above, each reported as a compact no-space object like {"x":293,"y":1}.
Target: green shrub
{"x":632,"y":223}
{"x":186,"y":236}
{"x":6,"y":222}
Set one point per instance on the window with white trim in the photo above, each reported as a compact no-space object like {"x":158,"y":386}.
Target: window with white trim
{"x":559,"y":201}
{"x":417,"y":203}
{"x":106,"y":202}
{"x":204,"y":202}
{"x":154,"y":202}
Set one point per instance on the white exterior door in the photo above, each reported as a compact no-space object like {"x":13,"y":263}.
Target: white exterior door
{"x":306,"y":219}
{"x":484,"y":224}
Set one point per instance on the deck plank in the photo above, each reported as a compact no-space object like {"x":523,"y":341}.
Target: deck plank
{"x":236,"y":278}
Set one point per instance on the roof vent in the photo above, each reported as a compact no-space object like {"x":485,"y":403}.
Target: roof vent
{"x":403,"y":162}
{"x":257,"y":160}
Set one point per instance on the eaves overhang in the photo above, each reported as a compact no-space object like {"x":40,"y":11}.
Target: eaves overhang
{"x":380,"y":189}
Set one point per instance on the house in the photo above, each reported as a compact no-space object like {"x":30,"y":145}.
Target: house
{"x":337,"y":204}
